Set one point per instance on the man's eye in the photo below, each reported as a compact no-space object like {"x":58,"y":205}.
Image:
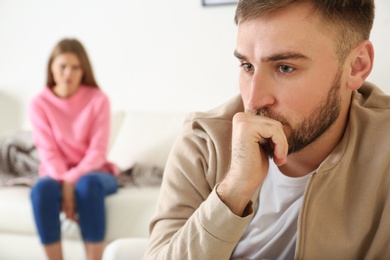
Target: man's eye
{"x":247,"y":66}
{"x":286,"y":69}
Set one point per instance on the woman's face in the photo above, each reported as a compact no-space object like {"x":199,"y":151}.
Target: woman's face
{"x":67,"y":74}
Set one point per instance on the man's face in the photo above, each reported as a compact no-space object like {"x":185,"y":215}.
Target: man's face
{"x":290,"y":73}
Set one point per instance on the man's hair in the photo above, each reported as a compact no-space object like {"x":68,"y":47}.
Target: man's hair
{"x":350,"y":21}
{"x":75,"y":47}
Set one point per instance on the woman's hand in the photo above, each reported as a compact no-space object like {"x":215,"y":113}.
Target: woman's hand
{"x":68,"y":201}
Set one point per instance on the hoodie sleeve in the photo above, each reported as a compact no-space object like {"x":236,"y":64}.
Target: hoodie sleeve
{"x":51,"y":159}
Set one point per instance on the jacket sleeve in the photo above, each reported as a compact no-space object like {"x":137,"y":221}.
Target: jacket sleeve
{"x":49,"y":155}
{"x":191,"y":222}
{"x":95,"y":156}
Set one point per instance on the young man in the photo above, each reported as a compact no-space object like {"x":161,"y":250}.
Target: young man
{"x":298,"y":165}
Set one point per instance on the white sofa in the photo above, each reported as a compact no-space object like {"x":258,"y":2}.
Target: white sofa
{"x":142,"y":137}
{"x":131,"y":248}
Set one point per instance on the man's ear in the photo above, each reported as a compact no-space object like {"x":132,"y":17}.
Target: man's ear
{"x":361,"y":63}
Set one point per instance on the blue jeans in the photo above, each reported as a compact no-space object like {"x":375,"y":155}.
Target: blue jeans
{"x":90,"y":192}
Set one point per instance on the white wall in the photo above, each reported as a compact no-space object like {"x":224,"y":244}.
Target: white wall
{"x":170,"y":55}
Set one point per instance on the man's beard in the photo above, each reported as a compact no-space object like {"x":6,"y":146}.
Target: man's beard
{"x":312,"y":127}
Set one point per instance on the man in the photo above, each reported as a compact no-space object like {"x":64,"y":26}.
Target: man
{"x":298,"y":165}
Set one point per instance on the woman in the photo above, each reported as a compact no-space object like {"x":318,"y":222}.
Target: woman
{"x":71,"y":125}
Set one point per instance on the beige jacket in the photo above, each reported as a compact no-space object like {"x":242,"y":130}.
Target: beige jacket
{"x":346,"y":208}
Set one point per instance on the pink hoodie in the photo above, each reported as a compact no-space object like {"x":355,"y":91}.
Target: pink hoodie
{"x":71,"y":134}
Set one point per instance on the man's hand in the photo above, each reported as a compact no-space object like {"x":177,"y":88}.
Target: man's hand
{"x":68,"y":201}
{"x":249,"y":161}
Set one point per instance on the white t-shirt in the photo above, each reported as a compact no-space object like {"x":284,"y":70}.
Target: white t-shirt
{"x":272,"y":232}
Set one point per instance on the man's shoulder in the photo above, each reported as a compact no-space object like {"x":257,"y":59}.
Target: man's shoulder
{"x":222,"y":112}
{"x":372,"y":97}
{"x":215,"y":124}
{"x":369,"y":117}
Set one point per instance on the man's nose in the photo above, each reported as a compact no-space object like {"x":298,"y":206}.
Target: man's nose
{"x":261,"y":92}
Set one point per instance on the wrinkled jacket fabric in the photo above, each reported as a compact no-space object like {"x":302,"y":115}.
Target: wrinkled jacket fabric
{"x":346,"y":209}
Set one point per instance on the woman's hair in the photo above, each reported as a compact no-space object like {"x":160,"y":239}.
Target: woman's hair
{"x":75,"y":47}
{"x":350,"y":21}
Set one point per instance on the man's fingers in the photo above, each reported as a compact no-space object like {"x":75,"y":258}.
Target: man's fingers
{"x":271,"y":131}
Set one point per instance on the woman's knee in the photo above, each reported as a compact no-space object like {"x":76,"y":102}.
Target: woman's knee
{"x":89,"y":185}
{"x":46,"y":188}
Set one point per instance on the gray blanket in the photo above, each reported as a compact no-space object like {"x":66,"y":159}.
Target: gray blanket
{"x":19,"y":159}
{"x":19,"y":163}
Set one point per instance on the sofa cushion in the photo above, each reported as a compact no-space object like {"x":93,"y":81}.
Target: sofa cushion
{"x":145,"y":137}
{"x":126,"y":248}
{"x":128,"y":213}
{"x":16,"y":210}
